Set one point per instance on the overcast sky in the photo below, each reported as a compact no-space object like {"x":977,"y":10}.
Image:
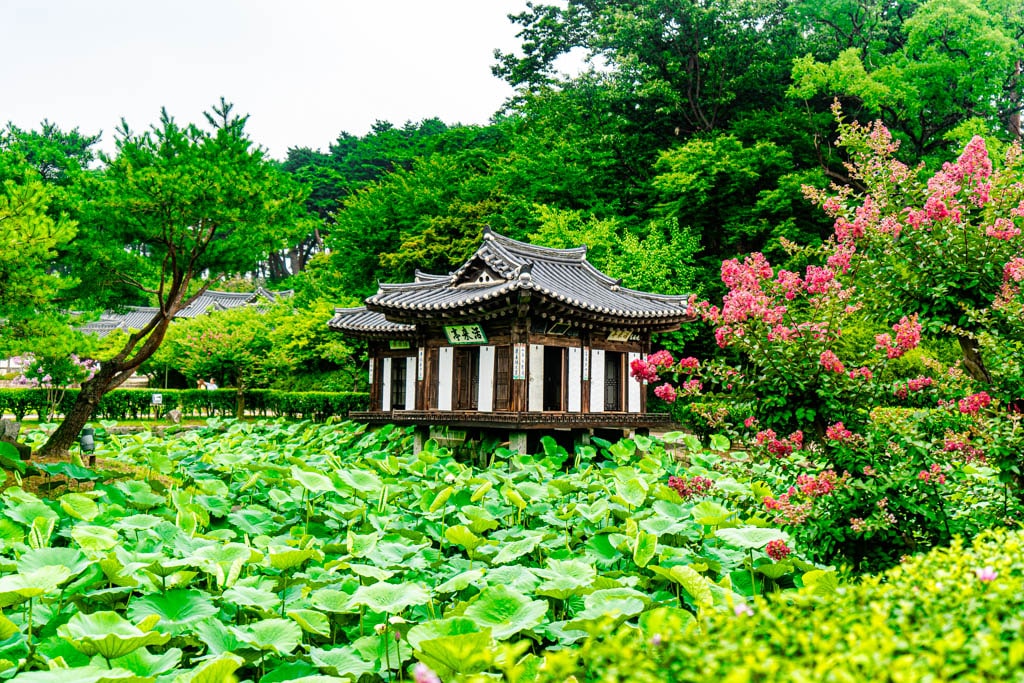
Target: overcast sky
{"x":304,"y":70}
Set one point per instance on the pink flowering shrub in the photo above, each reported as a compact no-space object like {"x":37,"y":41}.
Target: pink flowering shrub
{"x":55,"y":374}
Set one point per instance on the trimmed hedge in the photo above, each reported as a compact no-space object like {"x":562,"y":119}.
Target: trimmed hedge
{"x":951,"y":614}
{"x":122,"y":404}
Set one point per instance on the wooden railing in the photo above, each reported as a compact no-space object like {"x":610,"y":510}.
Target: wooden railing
{"x":530,"y":420}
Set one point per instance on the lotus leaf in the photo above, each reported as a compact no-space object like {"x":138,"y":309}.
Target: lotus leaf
{"x":710,"y":513}
{"x":438,"y":628}
{"x":506,"y":611}
{"x":466,"y":653}
{"x":285,"y":558}
{"x":280,"y":636}
{"x":751,"y":537}
{"x":109,"y":634}
{"x":311,"y":621}
{"x":248,"y":596}
{"x":94,"y":539}
{"x":82,"y":674}
{"x":390,"y":598}
{"x":331,"y":600}
{"x":217,"y":670}
{"x":79,"y":506}
{"x":17,"y":588}
{"x":71,"y":558}
{"x":178,"y":609}
{"x":342,"y":661}
{"x":460,"y":581}
{"x":143,"y":663}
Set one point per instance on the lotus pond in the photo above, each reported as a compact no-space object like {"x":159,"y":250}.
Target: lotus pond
{"x":274,"y":552}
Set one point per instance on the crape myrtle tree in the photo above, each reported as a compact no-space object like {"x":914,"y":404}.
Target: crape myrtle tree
{"x":919,"y":253}
{"x":173,"y":211}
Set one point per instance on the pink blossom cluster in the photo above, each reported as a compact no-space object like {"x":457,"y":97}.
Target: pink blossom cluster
{"x":666,"y":392}
{"x":750,"y":422}
{"x":861,"y":372}
{"x":831,"y":362}
{"x":689,"y":364}
{"x":821,"y":485}
{"x":786,"y":511}
{"x":691,"y":387}
{"x":691,"y":487}
{"x":908,"y":336}
{"x":777,"y":550}
{"x":838,"y":432}
{"x":643,"y":370}
{"x":973,"y":403}
{"x":780,"y":447}
{"x":912,"y":386}
{"x":1002,"y":229}
{"x":661,"y":359}
{"x":958,"y":444}
{"x":933,"y":474}
{"x":857,"y":524}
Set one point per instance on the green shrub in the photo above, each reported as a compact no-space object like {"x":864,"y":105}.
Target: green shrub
{"x":135,"y":404}
{"x":936,"y":617}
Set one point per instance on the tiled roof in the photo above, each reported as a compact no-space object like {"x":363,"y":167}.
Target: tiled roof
{"x":502,"y":266}
{"x":361,"y":321}
{"x":136,"y":317}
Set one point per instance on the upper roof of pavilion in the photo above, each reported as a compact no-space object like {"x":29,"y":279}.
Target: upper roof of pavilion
{"x":504,"y":273}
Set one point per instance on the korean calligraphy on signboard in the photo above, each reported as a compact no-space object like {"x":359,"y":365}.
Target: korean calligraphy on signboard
{"x":465,"y":334}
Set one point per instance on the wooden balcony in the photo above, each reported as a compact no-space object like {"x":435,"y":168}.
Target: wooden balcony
{"x":516,"y":421}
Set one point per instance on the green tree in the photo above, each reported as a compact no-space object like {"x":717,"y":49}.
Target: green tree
{"x":953,"y":74}
{"x":176,"y":209}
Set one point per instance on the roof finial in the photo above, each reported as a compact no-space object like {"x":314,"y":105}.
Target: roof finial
{"x":488,"y":233}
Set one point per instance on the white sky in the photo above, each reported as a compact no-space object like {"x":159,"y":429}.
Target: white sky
{"x":304,"y":70}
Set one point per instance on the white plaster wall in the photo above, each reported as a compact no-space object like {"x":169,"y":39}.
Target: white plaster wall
{"x":485,"y":397}
{"x":597,"y":381}
{"x":535,"y":383}
{"x":445,"y":369}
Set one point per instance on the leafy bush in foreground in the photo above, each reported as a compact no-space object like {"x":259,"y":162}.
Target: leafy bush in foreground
{"x":952,"y":614}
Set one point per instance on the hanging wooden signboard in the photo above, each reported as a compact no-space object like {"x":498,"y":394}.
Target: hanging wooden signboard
{"x":465,"y":334}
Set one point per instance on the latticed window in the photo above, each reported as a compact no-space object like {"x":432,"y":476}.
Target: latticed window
{"x":398,"y":370}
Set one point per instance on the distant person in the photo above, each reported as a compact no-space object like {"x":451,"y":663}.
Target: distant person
{"x":200,"y":384}
{"x":211,"y":385}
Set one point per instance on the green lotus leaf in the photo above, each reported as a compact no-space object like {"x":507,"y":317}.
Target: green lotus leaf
{"x":79,"y":506}
{"x":358,"y":545}
{"x":10,"y":533}
{"x":332,"y":600}
{"x":137,"y":522}
{"x":94,"y":539}
{"x":461,"y":535}
{"x":775,"y":570}
{"x":280,"y":636}
{"x":285,"y":558}
{"x":710,"y":513}
{"x":362,"y":480}
{"x":618,"y":604}
{"x":465,"y":654}
{"x":516,"y":549}
{"x":751,"y":538}
{"x":225,"y":561}
{"x":692,"y":582}
{"x":390,"y":598}
{"x":311,"y":621}
{"x":506,"y":611}
{"x":644,"y":549}
{"x":178,"y":609}
{"x":249,"y":596}
{"x":368,"y":571}
{"x":17,"y":588}
{"x":71,"y":558}
{"x":441,"y":498}
{"x":216,"y":636}
{"x":82,"y":674}
{"x":439,"y":628}
{"x":217,"y":670}
{"x":564,"y":578}
{"x":312,"y":481}
{"x":143,"y":663}
{"x":343,"y":661}
{"x":460,"y":581}
{"x":254,"y":520}
{"x":822,"y":582}
{"x":109,"y":634}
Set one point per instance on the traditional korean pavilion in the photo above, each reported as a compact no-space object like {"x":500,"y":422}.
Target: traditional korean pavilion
{"x":519,"y":340}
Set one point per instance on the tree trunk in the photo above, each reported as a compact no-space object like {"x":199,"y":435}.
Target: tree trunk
{"x":973,"y":362}
{"x":81,"y":411}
